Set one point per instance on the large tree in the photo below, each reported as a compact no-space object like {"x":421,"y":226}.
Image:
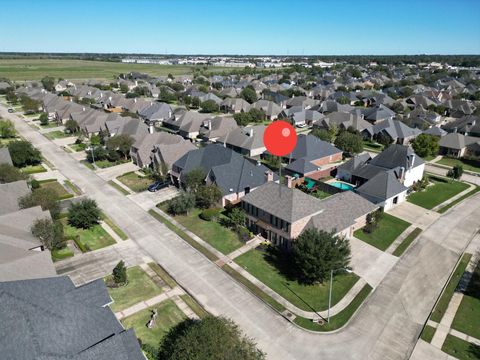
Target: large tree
{"x":211,"y":338}
{"x":29,"y":105}
{"x":249,"y":94}
{"x":84,"y":214}
{"x":181,"y":204}
{"x":316,"y":252}
{"x":207,"y":196}
{"x":49,"y":232}
{"x":45,"y":197}
{"x":7,"y":129}
{"x":209,"y":106}
{"x":121,"y":143}
{"x":194,"y":179}
{"x":349,"y":142}
{"x":24,"y":154}
{"x":71,"y":126}
{"x":9,"y":173}
{"x":48,"y":83}
{"x":425,"y":145}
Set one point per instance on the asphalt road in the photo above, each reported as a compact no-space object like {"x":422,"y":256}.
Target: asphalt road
{"x":386,"y":326}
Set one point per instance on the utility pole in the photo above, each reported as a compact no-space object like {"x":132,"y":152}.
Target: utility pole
{"x":330,"y":296}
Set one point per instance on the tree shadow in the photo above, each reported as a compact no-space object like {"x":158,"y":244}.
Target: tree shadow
{"x":474,"y":350}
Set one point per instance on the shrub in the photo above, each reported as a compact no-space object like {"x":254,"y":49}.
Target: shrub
{"x":181,"y":204}
{"x":23,"y":154}
{"x":244,"y":234}
{"x":120,"y":273}
{"x":210,"y":214}
{"x":35,"y":184}
{"x":84,"y":214}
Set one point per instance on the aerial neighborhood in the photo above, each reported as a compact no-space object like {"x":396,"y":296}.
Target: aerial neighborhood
{"x":133,"y":202}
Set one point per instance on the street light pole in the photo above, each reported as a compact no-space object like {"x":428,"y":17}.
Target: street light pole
{"x":330,"y":296}
{"x":93,"y":156}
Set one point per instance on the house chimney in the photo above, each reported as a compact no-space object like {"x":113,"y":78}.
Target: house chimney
{"x":150,"y":128}
{"x":209,"y":124}
{"x":402,"y":174}
{"x":413,"y":161}
{"x":289,"y":181}
{"x":269,"y":175}
{"x":250,"y":132}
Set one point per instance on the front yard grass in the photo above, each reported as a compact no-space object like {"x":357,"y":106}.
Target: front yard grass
{"x":168,"y":316}
{"x":139,"y":287}
{"x":61,"y":254}
{"x":389,"y":228}
{"x":54,"y":185}
{"x":272,"y":272}
{"x":442,"y":304}
{"x":460,"y":349}
{"x":163,"y":275}
{"x":135,"y":182}
{"x":78,"y":147}
{"x":90,"y":239}
{"x":192,"y":304}
{"x":467,"y":318}
{"x":57,"y":134}
{"x":407,"y":241}
{"x":459,"y":200}
{"x":33,"y":169}
{"x":220,"y":237}
{"x":117,"y":187}
{"x":470,"y":165}
{"x":114,"y":227}
{"x":428,"y":333}
{"x":441,"y":190}
{"x":103,"y":164}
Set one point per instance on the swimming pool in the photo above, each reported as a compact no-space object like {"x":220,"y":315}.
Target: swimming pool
{"x":341,"y":185}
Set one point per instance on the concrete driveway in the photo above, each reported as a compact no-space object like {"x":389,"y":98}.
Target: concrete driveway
{"x":387,"y":325}
{"x":369,"y":262}
{"x":147,"y":200}
{"x":414,"y":214}
{"x":115,"y":171}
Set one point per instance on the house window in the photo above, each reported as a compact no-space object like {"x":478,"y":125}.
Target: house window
{"x":247,"y":190}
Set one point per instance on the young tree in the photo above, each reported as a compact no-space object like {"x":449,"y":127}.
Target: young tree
{"x":46,"y":198}
{"x":237,"y":217}
{"x":349,"y":143}
{"x":181,"y":204}
{"x":24,"y":154}
{"x":211,"y":338}
{"x":9,"y":173}
{"x":456,"y":172}
{"x":249,"y":94}
{"x":119,"y":273}
{"x":71,"y":126}
{"x":43,"y":119}
{"x":49,"y":232}
{"x":316,"y":252}
{"x":84,"y":214}
{"x":194,"y":179}
{"x":121,"y":143}
{"x":7,"y":129}
{"x":209,"y":106}
{"x":207,"y":196}
{"x":425,"y":145}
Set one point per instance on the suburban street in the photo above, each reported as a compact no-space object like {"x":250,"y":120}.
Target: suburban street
{"x":386,"y":326}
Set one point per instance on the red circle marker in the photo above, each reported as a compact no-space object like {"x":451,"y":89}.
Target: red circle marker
{"x":280,"y":138}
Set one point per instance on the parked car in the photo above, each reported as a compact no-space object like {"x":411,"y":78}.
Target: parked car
{"x":158,"y":185}
{"x":10,"y":110}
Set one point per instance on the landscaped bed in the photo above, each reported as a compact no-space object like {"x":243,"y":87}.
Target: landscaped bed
{"x":220,"y":237}
{"x":436,"y":193}
{"x":168,"y":316}
{"x":388,"y":229}
{"x":88,"y":239}
{"x":272,"y":271}
{"x":470,"y":165}
{"x":135,"y":182}
{"x":139,"y":287}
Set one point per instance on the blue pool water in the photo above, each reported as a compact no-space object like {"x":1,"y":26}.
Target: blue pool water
{"x":341,"y":185}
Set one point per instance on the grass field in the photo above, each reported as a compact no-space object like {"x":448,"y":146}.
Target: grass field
{"x":57,"y":134}
{"x":36,"y":69}
{"x":139,"y":287}
{"x":306,"y":297}
{"x":57,"y":187}
{"x":470,"y":165}
{"x":168,"y":316}
{"x":439,"y":191}
{"x":389,"y":228}
{"x":95,"y":237}
{"x":135,"y":182}
{"x":460,"y":199}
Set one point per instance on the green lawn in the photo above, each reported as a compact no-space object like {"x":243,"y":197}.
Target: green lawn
{"x":33,"y":169}
{"x":461,"y":349}
{"x":320,"y":194}
{"x":168,"y":316}
{"x":428,"y":333}
{"x":24,"y":68}
{"x":372,"y":146}
{"x":163,"y":275}
{"x":447,"y":294}
{"x":102,"y":164}
{"x":57,"y":134}
{"x":61,"y":254}
{"x":407,"y":241}
{"x":78,"y":147}
{"x":307,"y":297}
{"x":220,"y":237}
{"x":49,"y":125}
{"x":467,"y":318}
{"x":441,"y":190}
{"x":115,"y":228}
{"x":139,"y":287}
{"x":94,"y":238}
{"x":192,"y":304}
{"x":54,"y":185}
{"x":117,"y":187}
{"x":73,"y":187}
{"x":135,"y":182}
{"x":470,"y":165}
{"x":389,"y":228}
{"x":460,"y":199}
{"x":340,"y":319}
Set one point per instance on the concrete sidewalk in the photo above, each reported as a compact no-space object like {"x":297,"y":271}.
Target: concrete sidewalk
{"x":252,"y":244}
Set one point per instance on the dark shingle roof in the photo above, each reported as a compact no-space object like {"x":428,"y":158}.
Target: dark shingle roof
{"x":382,"y":186}
{"x":5,"y":156}
{"x":311,"y":147}
{"x":355,"y":162}
{"x":77,"y":327}
{"x":396,"y":156}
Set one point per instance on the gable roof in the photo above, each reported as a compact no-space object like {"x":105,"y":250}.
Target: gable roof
{"x":457,"y":141}
{"x":311,"y":147}
{"x":382,"y":186}
{"x":248,"y":137}
{"x":10,"y":193}
{"x":81,"y":327}
{"x":397,"y":155}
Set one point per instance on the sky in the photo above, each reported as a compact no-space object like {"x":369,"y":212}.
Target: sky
{"x":242,"y":27}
